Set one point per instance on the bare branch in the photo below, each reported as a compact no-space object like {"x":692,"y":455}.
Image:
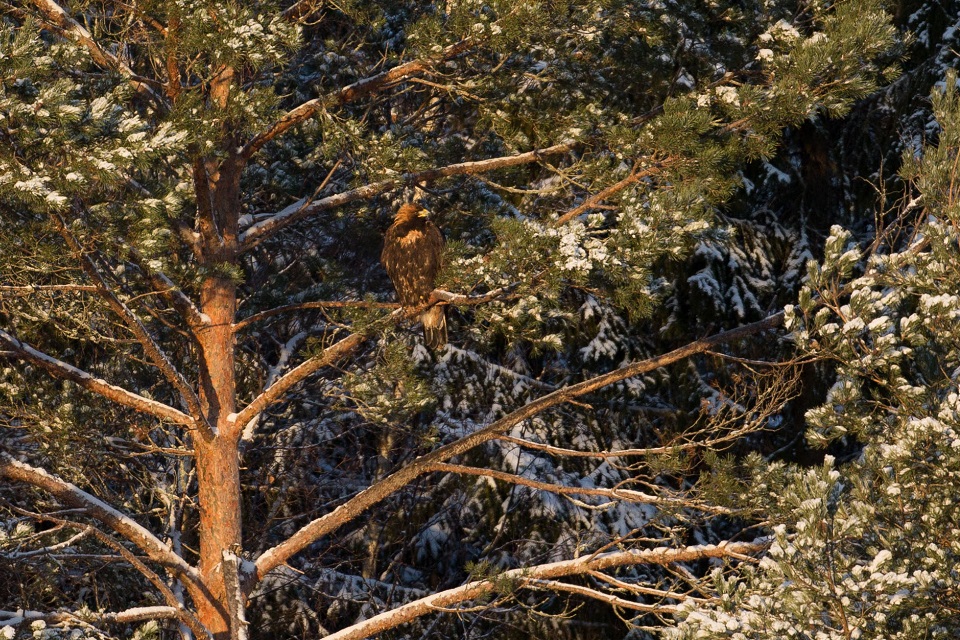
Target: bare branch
{"x":187,"y":617}
{"x":609,"y":598}
{"x":136,"y":614}
{"x":71,"y":495}
{"x":534,"y":577}
{"x":377,"y":492}
{"x":438,"y":295}
{"x":262,"y":230}
{"x":318,"y":304}
{"x":149,"y":345}
{"x":111,"y":392}
{"x":348,"y":93}
{"x":38,"y":288}
{"x":593,"y":201}
{"x":276,"y":391}
{"x":628,"y":495}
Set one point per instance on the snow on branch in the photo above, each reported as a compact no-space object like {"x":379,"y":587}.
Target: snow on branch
{"x":304,"y":208}
{"x":149,"y":345}
{"x":116,"y":394}
{"x":135,"y":614}
{"x":26,"y":290}
{"x":379,"y":491}
{"x":235,"y":600}
{"x":537,"y":577}
{"x":72,"y":496}
{"x":278,"y":389}
{"x":635,"y":176}
{"x":627,"y":495}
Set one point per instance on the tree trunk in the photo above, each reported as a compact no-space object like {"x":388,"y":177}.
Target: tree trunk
{"x":218,"y":471}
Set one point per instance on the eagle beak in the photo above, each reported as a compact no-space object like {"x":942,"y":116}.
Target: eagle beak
{"x":423,"y":213}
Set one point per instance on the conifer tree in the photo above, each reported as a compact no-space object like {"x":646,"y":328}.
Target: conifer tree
{"x":868,"y":549}
{"x":208,"y":395}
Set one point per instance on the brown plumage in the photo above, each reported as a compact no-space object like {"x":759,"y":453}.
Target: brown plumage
{"x":412,"y":251}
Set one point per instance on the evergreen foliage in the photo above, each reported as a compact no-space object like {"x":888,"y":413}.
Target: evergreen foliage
{"x":168,"y":169}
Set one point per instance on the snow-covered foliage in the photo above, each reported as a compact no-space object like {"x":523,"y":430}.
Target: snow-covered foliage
{"x":153,"y":177}
{"x":868,"y":549}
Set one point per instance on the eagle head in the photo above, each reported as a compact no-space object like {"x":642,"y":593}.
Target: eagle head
{"x":410,"y":212}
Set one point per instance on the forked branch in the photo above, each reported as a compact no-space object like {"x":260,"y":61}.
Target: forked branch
{"x":534,"y":577}
{"x":303,"y":208}
{"x":119,"y":395}
{"x":379,"y":491}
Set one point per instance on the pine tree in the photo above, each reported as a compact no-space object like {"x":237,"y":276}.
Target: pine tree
{"x":867,"y":549}
{"x":205,"y":377}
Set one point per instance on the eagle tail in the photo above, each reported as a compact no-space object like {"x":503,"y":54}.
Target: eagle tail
{"x":434,"y":322}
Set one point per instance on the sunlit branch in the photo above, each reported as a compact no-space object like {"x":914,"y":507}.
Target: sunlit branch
{"x":635,"y":176}
{"x":438,"y":295}
{"x":149,"y":345}
{"x":26,"y":290}
{"x":534,"y":576}
{"x":349,"y":93}
{"x":278,"y":389}
{"x":317,"y":304}
{"x":76,"y":32}
{"x":626,"y":495}
{"x":186,"y":616}
{"x":301,"y":209}
{"x":609,"y":598}
{"x":379,"y":491}
{"x":116,"y":394}
{"x":72,"y":496}
{"x":642,"y":589}
{"x":136,"y":614}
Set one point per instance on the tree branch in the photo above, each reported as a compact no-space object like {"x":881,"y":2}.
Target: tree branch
{"x":102,"y":388}
{"x":609,"y":598}
{"x":534,"y":576}
{"x":593,"y":201}
{"x":318,"y":304}
{"x":258,"y":232}
{"x":186,"y":616}
{"x":329,"y":356}
{"x":348,"y":93}
{"x":377,"y":492}
{"x":628,"y":495}
{"x":149,"y":345}
{"x":438,"y":295}
{"x":76,"y":32}
{"x":136,"y":614}
{"x":72,"y":496}
{"x":38,"y":288}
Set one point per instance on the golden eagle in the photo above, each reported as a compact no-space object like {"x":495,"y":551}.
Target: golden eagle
{"x":412,"y":252}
